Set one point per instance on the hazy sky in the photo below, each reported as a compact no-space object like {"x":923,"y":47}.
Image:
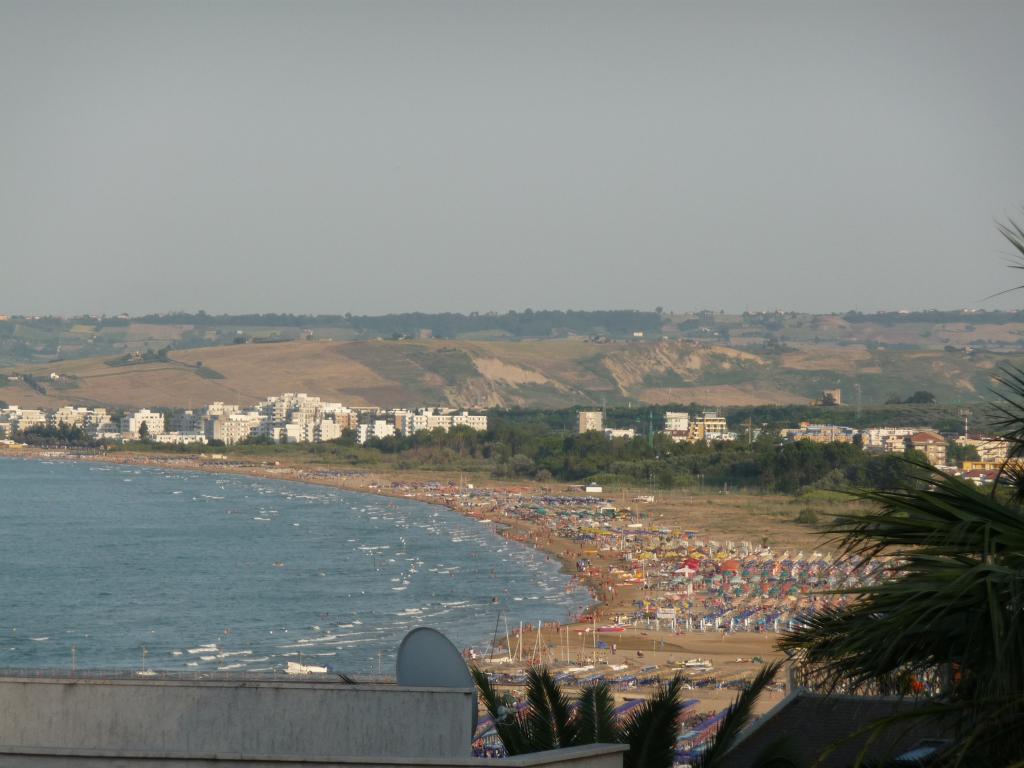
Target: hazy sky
{"x":372,"y":157}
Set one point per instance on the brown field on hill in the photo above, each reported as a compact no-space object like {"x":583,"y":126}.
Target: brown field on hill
{"x":554,"y":373}
{"x":722,"y":395}
{"x":827,"y":358}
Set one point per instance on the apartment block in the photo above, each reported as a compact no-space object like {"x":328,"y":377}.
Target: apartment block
{"x":591,"y":421}
{"x":709,"y":426}
{"x":132,"y":423}
{"x":931,"y":444}
{"x":887,"y":439}
{"x":677,"y":425}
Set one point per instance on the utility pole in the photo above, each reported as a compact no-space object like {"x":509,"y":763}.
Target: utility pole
{"x":966,"y":413}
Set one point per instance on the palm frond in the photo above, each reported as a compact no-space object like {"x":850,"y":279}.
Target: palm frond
{"x":953,"y":593}
{"x":1014,"y":234}
{"x":549,"y":717}
{"x":508,"y":724}
{"x":1009,"y":417}
{"x":651,"y":731}
{"x":737,"y":717}
{"x":595,"y":716}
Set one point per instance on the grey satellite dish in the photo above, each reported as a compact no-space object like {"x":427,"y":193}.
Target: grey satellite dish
{"x":427,"y":659}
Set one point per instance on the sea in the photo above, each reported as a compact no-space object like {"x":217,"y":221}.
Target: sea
{"x":114,"y":566}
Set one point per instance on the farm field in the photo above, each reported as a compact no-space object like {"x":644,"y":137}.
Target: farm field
{"x":552,"y":373}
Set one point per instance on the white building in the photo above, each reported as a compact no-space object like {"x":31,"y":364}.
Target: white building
{"x":300,"y":418}
{"x":220,"y":409}
{"x":377,"y":429}
{"x":710,"y":426}
{"x":994,"y":449}
{"x":473,"y":421}
{"x":19,"y":418}
{"x":677,"y":425}
{"x":819,"y":433}
{"x":69,"y":415}
{"x":132,"y":423}
{"x":887,"y":439}
{"x":677,"y":421}
{"x":591,"y":421}
{"x":327,"y":430}
{"x":232,"y":428}
{"x":408,"y":422}
{"x":612,"y":434}
{"x":180,"y":438}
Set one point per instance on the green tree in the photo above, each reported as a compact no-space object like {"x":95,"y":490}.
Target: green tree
{"x":144,"y":432}
{"x":921,"y":396}
{"x":958,"y":454}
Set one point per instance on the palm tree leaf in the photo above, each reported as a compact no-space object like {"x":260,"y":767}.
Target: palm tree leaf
{"x":953,"y":592}
{"x":549,"y":717}
{"x":737,"y":717}
{"x":651,"y":731}
{"x":595,"y":716}
{"x":508,"y":724}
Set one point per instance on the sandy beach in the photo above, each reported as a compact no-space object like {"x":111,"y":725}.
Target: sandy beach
{"x":622,"y":549}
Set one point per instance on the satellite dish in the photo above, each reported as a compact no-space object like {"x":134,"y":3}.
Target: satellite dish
{"x":427,"y":659}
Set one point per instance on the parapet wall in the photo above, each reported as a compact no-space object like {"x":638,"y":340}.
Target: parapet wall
{"x":271,"y":719}
{"x":592,"y":756}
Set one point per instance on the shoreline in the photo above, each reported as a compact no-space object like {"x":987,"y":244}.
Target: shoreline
{"x":642,"y":648}
{"x":353,"y":481}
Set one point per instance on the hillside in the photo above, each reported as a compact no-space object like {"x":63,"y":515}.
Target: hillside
{"x":42,"y":340}
{"x":550,"y":373}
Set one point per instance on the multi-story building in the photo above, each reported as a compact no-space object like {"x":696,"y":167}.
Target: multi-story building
{"x":931,"y":444}
{"x":289,"y":417}
{"x":98,"y":421}
{"x":180,"y":438}
{"x":990,"y":449}
{"x":408,"y":422}
{"x":220,"y":409}
{"x":328,"y":429}
{"x":68,"y":415}
{"x":591,"y":421}
{"x":471,"y":420}
{"x":710,"y":426}
{"x":132,"y":423}
{"x":233,"y":427}
{"x":22,"y":418}
{"x":378,"y":429}
{"x":187,"y":422}
{"x":820,"y":433}
{"x":677,"y":425}
{"x":887,"y":439}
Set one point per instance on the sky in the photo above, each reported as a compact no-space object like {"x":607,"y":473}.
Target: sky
{"x":376,"y":157}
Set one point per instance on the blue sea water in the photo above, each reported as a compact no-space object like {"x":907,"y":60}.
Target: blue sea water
{"x":168,"y":569}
